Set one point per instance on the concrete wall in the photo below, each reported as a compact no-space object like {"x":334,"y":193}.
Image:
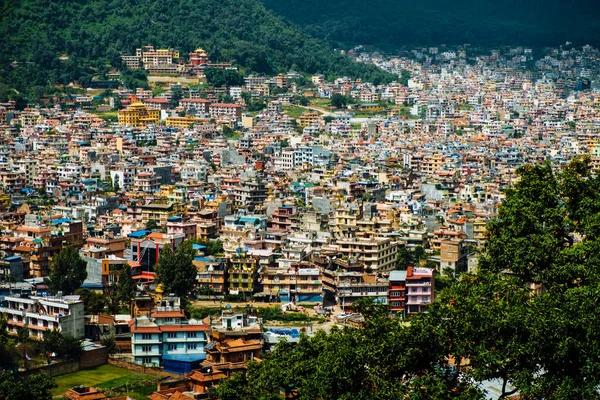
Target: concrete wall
{"x":55,"y":369}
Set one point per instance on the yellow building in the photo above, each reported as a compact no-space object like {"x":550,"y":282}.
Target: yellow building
{"x":309,"y":119}
{"x":243,"y":274}
{"x":370,"y":107}
{"x":137,"y":114}
{"x":184,"y":122}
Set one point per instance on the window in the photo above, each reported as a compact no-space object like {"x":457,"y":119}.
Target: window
{"x":171,"y":335}
{"x":146,"y":349}
{"x":191,"y":346}
{"x":146,"y":336}
{"x":147,"y":360}
{"x":191,"y":334}
{"x":172,"y":347}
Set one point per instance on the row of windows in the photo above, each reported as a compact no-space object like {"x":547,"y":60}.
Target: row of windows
{"x":171,"y":335}
{"x":171,"y":347}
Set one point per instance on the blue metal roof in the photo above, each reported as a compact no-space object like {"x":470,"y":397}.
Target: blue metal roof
{"x":13,"y":258}
{"x":198,"y":247}
{"x":61,"y":221}
{"x":254,"y":220}
{"x":88,"y":181}
{"x":203,"y":259}
{"x":184,"y":357}
{"x":138,"y":234}
{"x":92,"y":286}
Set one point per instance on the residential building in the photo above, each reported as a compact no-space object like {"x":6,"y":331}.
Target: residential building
{"x":43,"y":314}
{"x":397,"y":292}
{"x":419,"y":289}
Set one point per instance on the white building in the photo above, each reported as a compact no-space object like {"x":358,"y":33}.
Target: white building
{"x":43,"y":314}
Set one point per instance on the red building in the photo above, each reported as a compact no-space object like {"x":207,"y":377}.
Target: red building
{"x":281,"y":220}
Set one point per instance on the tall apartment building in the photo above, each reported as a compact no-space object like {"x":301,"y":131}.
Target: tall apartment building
{"x":300,"y":282}
{"x":419,"y":289}
{"x":166,"y":339}
{"x":43,"y":314}
{"x":377,"y":254}
{"x":397,"y":294}
{"x":243,"y":275}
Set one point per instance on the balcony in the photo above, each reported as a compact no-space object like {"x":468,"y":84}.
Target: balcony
{"x":151,"y":353}
{"x":418,"y":302}
{"x":154,"y":340}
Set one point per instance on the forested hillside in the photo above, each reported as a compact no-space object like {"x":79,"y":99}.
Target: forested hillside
{"x":394,"y":23}
{"x":90,"y":35}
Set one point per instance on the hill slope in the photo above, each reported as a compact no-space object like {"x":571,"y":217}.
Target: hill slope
{"x":394,"y":23}
{"x":92,"y":33}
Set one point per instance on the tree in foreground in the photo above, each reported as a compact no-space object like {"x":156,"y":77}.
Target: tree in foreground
{"x":526,"y":319}
{"x":68,"y":271}
{"x":15,"y":387}
{"x":175,"y":271}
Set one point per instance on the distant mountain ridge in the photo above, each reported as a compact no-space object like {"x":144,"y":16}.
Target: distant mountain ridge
{"x":395,"y":23}
{"x":90,"y":35}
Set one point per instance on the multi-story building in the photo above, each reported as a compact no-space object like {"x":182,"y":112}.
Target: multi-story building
{"x":309,"y":119}
{"x":397,"y":293}
{"x":352,"y":286}
{"x":137,"y":114}
{"x":281,"y":220}
{"x":299,"y":282}
{"x":250,"y":193}
{"x":211,"y":275}
{"x":147,"y":182}
{"x":44,"y":314}
{"x":453,"y":255}
{"x":225,"y":111}
{"x":195,"y":106}
{"x":29,"y":166}
{"x":198,"y":57}
{"x":419,"y":289}
{"x":377,"y":254}
{"x":243,"y":275}
{"x":166,"y":339}
{"x":146,"y":247}
{"x":161,"y":212}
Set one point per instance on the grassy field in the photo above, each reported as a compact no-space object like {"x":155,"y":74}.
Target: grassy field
{"x":108,"y":116}
{"x":111,"y":380}
{"x":315,"y":101}
{"x":294,"y":111}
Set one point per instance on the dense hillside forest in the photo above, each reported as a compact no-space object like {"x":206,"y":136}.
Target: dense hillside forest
{"x":90,"y":35}
{"x":391,"y":24}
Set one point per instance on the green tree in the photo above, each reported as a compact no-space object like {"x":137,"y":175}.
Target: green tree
{"x":404,"y":259}
{"x":151,"y":225}
{"x":338,"y":101}
{"x":93,"y":302}
{"x":121,"y":291}
{"x":66,"y":347}
{"x":351,"y":363}
{"x":36,"y":386}
{"x":175,"y":271}
{"x":68,"y":271}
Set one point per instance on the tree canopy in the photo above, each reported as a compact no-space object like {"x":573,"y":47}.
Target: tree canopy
{"x":175,"y":271}
{"x":525,"y":319}
{"x":68,"y":271}
{"x":392,"y":24}
{"x":36,"y":386}
{"x":78,"y":40}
